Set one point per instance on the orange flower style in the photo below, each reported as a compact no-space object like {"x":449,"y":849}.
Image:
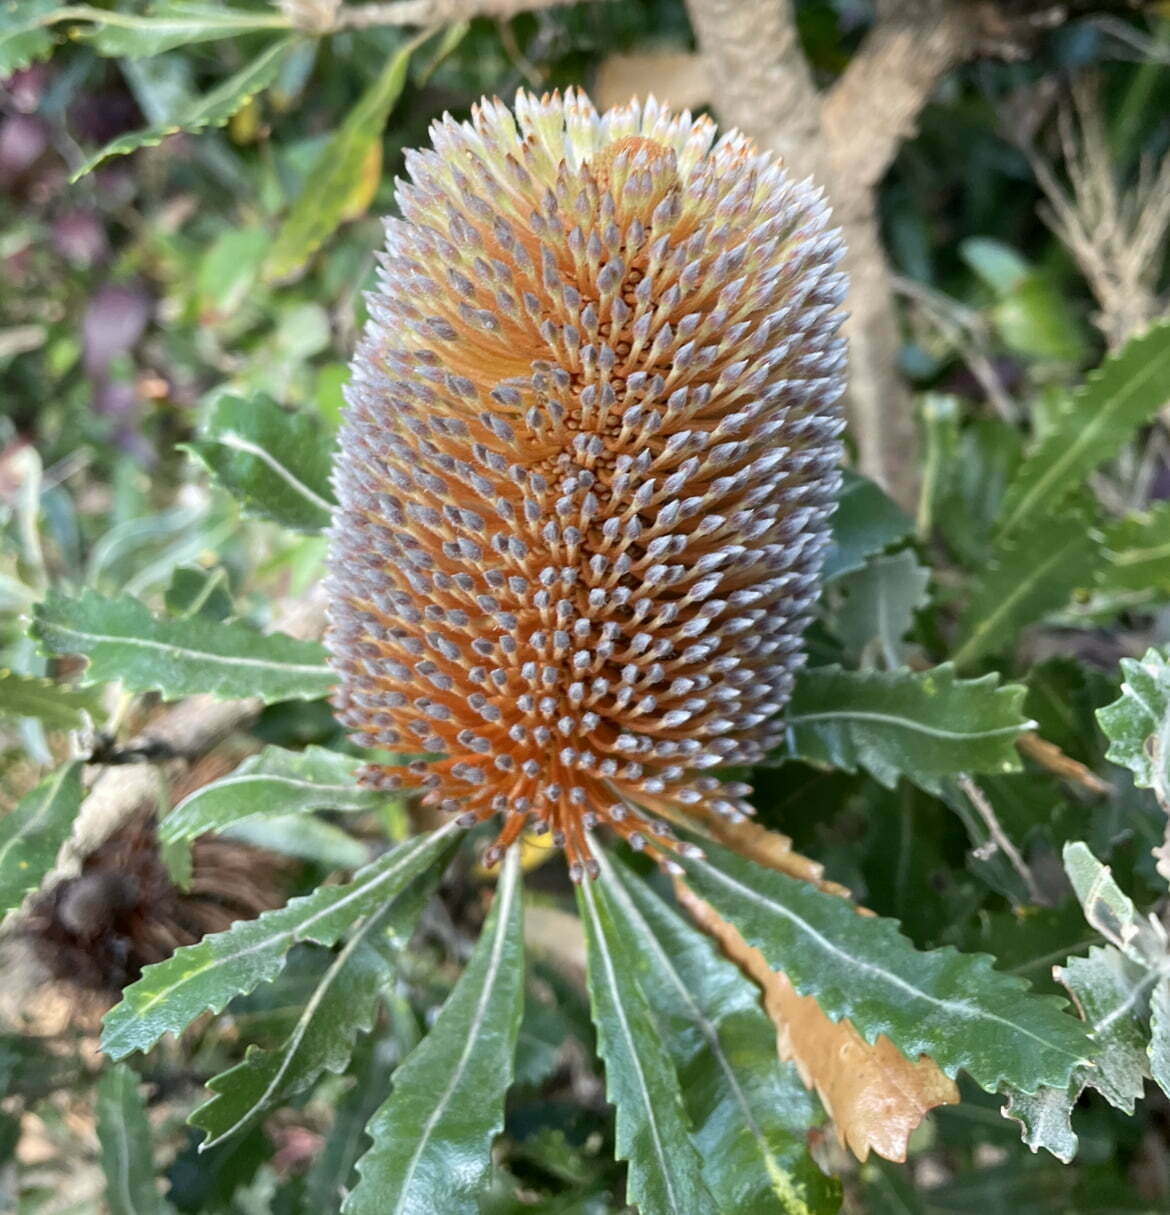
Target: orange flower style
{"x":586,"y":471}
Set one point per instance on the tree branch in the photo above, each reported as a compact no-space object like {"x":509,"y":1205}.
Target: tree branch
{"x":875,"y":104}
{"x":433,"y":12}
{"x":760,"y":78}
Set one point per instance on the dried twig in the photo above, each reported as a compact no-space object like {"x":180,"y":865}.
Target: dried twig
{"x":1117,"y":235}
{"x":1000,"y":838}
{"x":1050,"y":757}
{"x":433,"y":12}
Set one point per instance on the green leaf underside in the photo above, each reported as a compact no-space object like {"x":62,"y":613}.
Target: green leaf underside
{"x":302,"y":835}
{"x":1137,"y":724}
{"x":322,"y":204}
{"x":924,"y":725}
{"x":865,"y":522}
{"x":169,"y":24}
{"x":879,"y":605}
{"x":1159,"y":1048}
{"x":55,"y":707}
{"x":123,"y":640}
{"x":126,"y":1145}
{"x":214,"y":109}
{"x":432,"y":1137}
{"x":276,"y":782}
{"x":1125,"y":392}
{"x":343,"y":1004}
{"x":205,"y":976}
{"x":276,"y":462}
{"x":24,"y":37}
{"x":1107,"y":907}
{"x":1111,"y":991}
{"x":953,"y":1007}
{"x":1137,"y":552}
{"x":31,"y":835}
{"x":1027,"y":575}
{"x":751,"y":1113}
{"x":652,"y":1128}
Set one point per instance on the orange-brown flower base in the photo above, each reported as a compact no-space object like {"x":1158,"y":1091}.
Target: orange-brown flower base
{"x":586,"y":470}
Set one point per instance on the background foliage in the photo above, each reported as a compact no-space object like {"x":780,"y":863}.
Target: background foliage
{"x":190,"y":205}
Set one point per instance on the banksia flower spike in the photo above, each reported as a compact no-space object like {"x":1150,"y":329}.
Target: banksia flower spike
{"x":586,"y":471}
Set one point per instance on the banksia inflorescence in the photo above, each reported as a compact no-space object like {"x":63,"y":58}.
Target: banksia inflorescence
{"x":587,"y":469}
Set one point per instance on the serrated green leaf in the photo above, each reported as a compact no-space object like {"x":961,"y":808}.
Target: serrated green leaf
{"x":205,"y":976}
{"x":1137,"y":724}
{"x":304,"y":836}
{"x":865,"y":522}
{"x":1109,"y":909}
{"x":199,"y":592}
{"x":1110,"y":991}
{"x":432,"y":1138}
{"x":652,"y":1128}
{"x":924,"y":725}
{"x":274,"y":782}
{"x":343,"y":1004}
{"x":877,"y":606}
{"x":1096,"y":422}
{"x":751,"y":1113}
{"x":122,"y":640}
{"x":24,"y":36}
{"x":276,"y":462}
{"x":55,"y":707}
{"x":1027,"y":575}
{"x":953,"y":1007}
{"x":1137,"y":553}
{"x":334,"y":1169}
{"x":213,"y":109}
{"x":1158,"y":1050}
{"x":126,"y":1143}
{"x":1045,"y":1119}
{"x":169,"y":24}
{"x":32,"y":834}
{"x":340,"y":183}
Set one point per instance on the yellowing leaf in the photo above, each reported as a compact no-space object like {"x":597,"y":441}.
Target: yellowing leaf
{"x":875,"y":1096}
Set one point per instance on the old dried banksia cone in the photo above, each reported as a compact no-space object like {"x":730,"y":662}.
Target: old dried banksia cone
{"x":586,"y":471}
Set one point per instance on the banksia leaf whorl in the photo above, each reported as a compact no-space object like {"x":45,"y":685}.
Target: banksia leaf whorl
{"x":586,"y":470}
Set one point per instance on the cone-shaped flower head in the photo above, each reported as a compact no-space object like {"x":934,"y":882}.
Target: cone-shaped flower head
{"x":586,"y":470}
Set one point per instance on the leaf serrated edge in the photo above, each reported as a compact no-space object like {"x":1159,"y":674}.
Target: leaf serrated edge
{"x":781,"y":1181}
{"x":981,"y":961}
{"x":40,"y":623}
{"x":289,"y":1048}
{"x":1151,"y":367}
{"x":300,"y":931}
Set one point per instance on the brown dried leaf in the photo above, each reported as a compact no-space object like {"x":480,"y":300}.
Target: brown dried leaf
{"x":875,"y":1096}
{"x":768,"y":848}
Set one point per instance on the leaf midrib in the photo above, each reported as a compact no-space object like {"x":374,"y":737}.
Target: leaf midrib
{"x":172,"y":648}
{"x":508,"y":893}
{"x":619,"y":1008}
{"x":970,"y":647}
{"x":238,"y":442}
{"x":707,"y":1027}
{"x":110,"y":1045}
{"x":1055,"y":469}
{"x":293,"y":1043}
{"x":38,"y":815}
{"x":963,"y":1009}
{"x":906,"y":723}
